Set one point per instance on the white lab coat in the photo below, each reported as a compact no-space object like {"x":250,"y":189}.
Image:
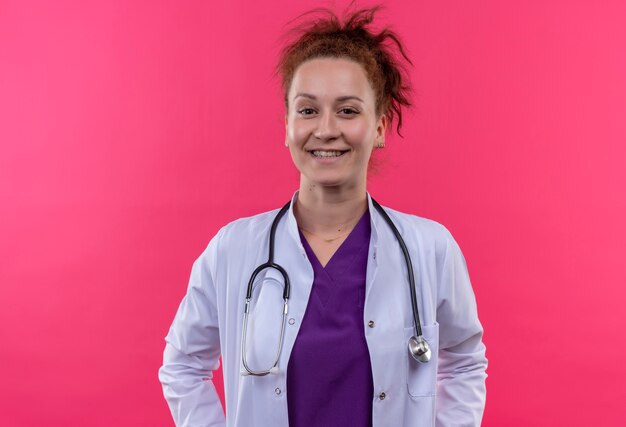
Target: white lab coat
{"x":447,"y":391}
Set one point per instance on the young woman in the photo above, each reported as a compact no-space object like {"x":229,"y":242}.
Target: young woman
{"x":333,"y":311}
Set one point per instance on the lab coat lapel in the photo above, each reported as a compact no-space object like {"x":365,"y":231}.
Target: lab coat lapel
{"x":290,"y":252}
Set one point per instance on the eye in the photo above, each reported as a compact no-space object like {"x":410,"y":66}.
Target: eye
{"x":306,"y":111}
{"x":349,"y":111}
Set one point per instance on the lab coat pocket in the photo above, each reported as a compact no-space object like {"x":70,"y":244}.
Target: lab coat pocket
{"x":422,"y":377}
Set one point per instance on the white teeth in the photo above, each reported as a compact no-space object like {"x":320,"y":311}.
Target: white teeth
{"x":327,"y":153}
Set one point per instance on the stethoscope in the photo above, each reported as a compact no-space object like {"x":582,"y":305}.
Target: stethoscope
{"x":418,"y":346}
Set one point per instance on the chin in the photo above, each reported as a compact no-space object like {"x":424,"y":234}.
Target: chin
{"x":328,"y":181}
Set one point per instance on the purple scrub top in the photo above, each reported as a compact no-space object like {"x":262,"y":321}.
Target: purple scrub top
{"x":329,"y":375}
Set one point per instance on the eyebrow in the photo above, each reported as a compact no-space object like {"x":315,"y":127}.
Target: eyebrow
{"x":340,"y":98}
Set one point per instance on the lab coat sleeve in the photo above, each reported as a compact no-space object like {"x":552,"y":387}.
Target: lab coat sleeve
{"x":461,"y":374}
{"x":192,"y":350}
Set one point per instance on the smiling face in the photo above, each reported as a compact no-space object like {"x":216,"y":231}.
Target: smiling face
{"x":331,"y":123}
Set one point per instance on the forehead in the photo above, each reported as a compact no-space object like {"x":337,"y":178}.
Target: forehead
{"x":331,"y":77}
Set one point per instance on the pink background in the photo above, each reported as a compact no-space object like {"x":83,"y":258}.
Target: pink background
{"x":131,"y":131}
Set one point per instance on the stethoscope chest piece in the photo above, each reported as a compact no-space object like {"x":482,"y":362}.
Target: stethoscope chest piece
{"x":419,"y":349}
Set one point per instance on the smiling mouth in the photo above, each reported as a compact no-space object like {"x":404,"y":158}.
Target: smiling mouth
{"x":327,"y":153}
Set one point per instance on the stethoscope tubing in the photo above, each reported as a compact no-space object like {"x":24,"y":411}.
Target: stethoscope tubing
{"x":417,"y":340}
{"x":409,"y":266}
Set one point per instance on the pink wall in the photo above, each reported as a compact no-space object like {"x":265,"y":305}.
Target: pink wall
{"x":131,"y":131}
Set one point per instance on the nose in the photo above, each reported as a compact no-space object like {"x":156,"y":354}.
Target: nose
{"x":326,"y":127}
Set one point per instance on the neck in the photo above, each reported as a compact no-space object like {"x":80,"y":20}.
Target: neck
{"x":329,"y":210}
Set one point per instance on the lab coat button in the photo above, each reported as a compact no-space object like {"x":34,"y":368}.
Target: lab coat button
{"x":277,"y":391}
{"x":374,"y":255}
{"x":382,"y":396}
{"x":292,"y":321}
{"x":371,"y":324}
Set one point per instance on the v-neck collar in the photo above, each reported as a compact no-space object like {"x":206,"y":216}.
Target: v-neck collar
{"x":376,"y":221}
{"x":346,"y":251}
{"x":328,"y":279}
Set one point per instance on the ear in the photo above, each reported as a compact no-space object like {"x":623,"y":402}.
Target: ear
{"x":381,"y":129}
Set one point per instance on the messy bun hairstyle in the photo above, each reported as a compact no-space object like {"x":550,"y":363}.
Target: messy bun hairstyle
{"x":380,"y":54}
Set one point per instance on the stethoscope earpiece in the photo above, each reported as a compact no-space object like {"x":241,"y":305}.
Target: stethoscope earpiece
{"x":419,"y":349}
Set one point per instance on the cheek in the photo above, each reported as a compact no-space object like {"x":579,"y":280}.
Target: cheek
{"x":298,"y":132}
{"x":362,"y":131}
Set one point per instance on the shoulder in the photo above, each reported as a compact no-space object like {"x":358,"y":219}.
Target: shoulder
{"x":428,"y":228}
{"x":250,"y":225}
{"x":242,"y":233}
{"x":428,"y":233}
